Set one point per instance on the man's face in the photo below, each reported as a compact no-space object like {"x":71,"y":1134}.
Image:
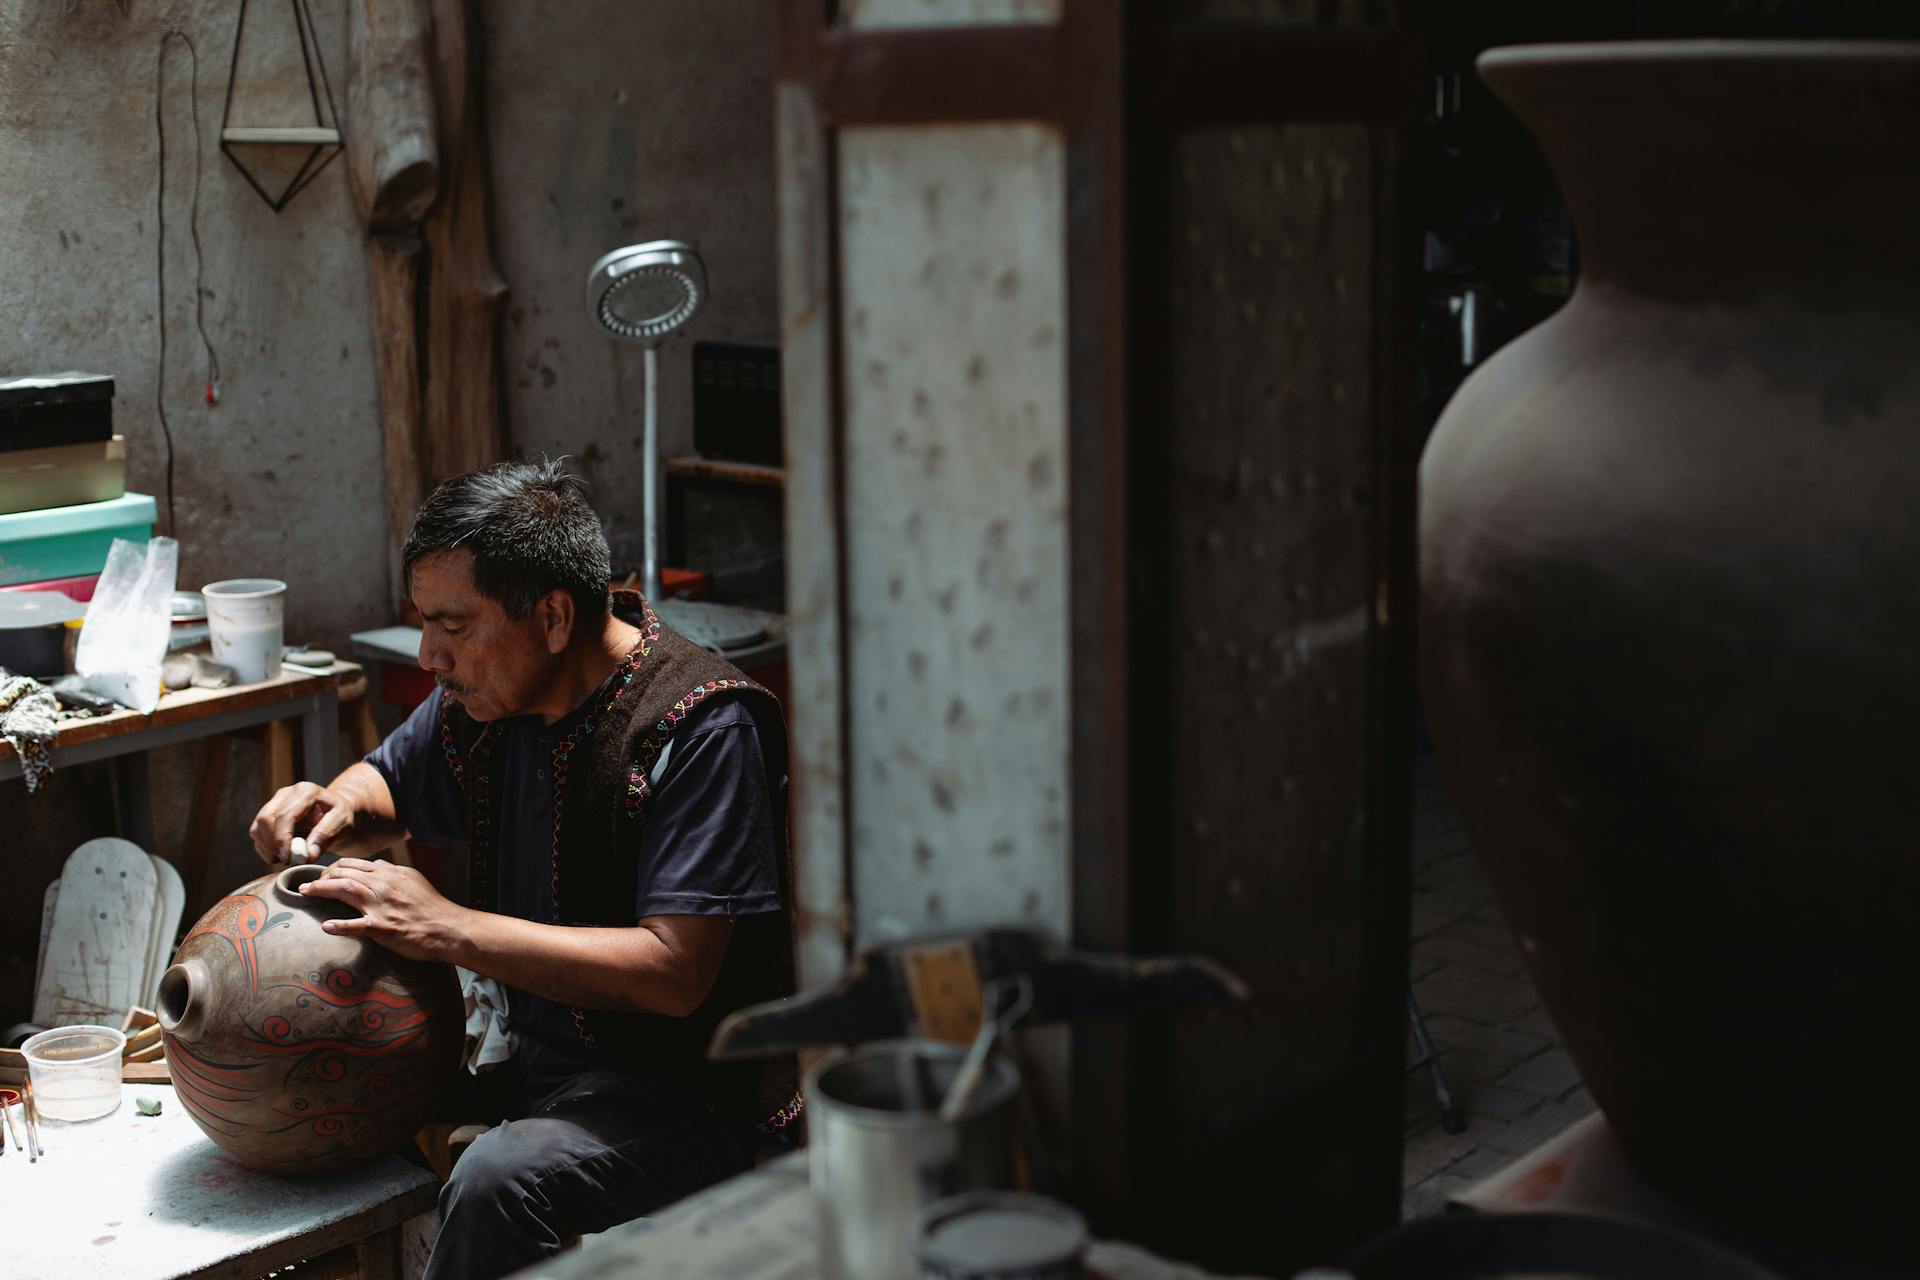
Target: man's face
{"x":493,"y":665}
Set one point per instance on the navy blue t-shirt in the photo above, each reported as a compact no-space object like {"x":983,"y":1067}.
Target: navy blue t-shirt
{"x":708,"y":847}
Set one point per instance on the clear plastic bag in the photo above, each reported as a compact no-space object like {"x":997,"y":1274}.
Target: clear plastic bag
{"x":124,"y":637}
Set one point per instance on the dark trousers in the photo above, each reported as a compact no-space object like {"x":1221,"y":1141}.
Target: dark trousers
{"x":590,"y":1148}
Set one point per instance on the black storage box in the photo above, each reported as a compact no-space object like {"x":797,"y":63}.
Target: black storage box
{"x":736,"y":401}
{"x":43,"y":410}
{"x":33,"y":632}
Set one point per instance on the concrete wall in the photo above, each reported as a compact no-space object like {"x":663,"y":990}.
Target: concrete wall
{"x":283,"y":477}
{"x":609,"y":122}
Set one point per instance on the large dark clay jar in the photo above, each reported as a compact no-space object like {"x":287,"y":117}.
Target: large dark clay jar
{"x":298,"y":1051}
{"x":1670,"y":621}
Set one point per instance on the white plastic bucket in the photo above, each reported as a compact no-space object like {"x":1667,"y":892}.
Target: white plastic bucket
{"x":247,"y":619}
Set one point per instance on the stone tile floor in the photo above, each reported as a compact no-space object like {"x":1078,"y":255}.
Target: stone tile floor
{"x":1509,"y":1074}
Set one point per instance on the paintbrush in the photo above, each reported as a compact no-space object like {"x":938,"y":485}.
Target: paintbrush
{"x":6,"y":1112}
{"x":32,"y":1113}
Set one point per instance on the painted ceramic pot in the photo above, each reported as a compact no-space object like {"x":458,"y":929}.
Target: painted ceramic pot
{"x":1669,"y":610}
{"x":298,"y":1051}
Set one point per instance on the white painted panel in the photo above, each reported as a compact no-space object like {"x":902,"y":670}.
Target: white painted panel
{"x":948,"y":13}
{"x":954,"y":295}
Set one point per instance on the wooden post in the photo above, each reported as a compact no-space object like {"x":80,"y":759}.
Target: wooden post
{"x":394,"y":167}
{"x":464,"y":289}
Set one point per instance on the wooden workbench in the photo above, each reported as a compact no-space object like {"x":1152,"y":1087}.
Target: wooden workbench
{"x":185,"y":715}
{"x":133,"y":1197}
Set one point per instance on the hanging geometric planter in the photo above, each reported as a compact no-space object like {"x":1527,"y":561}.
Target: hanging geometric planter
{"x":276,"y":144}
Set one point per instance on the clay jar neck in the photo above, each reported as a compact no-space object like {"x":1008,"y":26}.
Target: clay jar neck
{"x":187,"y":996}
{"x":1731,"y":171}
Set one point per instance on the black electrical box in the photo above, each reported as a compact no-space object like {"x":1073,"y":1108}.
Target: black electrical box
{"x":736,"y":401}
{"x":48,"y":409}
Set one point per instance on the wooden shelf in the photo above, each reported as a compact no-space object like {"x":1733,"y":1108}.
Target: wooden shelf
{"x":307,"y":136}
{"x":736,"y":472}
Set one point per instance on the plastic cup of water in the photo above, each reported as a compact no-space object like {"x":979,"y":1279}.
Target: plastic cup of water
{"x":75,"y":1071}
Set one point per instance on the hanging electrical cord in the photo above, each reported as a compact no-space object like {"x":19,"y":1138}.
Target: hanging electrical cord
{"x":199,"y":262}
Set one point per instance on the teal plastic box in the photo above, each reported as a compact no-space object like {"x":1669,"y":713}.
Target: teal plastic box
{"x":70,"y":542}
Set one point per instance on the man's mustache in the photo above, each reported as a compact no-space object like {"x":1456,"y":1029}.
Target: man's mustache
{"x":453,"y":686}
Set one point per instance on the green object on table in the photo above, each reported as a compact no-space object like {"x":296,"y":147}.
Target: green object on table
{"x":146,"y":1104}
{"x":70,"y":542}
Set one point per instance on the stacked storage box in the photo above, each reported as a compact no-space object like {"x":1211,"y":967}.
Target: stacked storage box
{"x":63,"y":496}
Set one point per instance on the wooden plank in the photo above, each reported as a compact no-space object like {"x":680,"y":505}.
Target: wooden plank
{"x":13,"y":1070}
{"x":1101,"y":596}
{"x":465,"y":292}
{"x":379,"y":1255}
{"x":1273,"y":864}
{"x":394,"y":163}
{"x":1242,"y":72}
{"x":815,"y":566}
{"x":276,"y":757}
{"x":944,"y":985}
{"x":947,"y":76}
{"x":281,"y":137}
{"x":735,"y":472}
{"x":393,"y":272}
{"x":138,"y":1042}
{"x":184,"y":706}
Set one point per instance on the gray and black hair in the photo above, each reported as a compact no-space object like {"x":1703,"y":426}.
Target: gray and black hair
{"x":531,"y":531}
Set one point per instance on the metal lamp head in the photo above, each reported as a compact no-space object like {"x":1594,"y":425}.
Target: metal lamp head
{"x":646,"y":292}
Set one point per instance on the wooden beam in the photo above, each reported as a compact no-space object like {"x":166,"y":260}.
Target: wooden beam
{"x":465,"y":291}
{"x":1221,"y":73}
{"x":946,"y":74}
{"x":395,"y":171}
{"x":394,"y":164}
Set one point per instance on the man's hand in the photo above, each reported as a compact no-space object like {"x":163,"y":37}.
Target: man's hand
{"x":303,"y":809}
{"x":352,"y":814}
{"x":398,"y":908}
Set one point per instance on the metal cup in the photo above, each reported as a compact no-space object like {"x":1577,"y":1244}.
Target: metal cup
{"x":878,"y":1151}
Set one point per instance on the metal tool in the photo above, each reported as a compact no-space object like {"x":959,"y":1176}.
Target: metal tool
{"x":920,"y":987}
{"x":1007,"y":1000}
{"x":646,"y":293}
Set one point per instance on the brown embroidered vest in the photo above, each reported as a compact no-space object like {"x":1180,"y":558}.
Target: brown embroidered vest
{"x":601,"y":793}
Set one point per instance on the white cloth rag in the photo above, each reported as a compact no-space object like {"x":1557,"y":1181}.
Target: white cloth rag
{"x":490,"y":1038}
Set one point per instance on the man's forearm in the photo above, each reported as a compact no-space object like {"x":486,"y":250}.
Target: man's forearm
{"x":374,"y":825}
{"x":637,"y":969}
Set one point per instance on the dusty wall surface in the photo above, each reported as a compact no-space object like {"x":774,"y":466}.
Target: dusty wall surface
{"x":607,"y":125}
{"x":613,"y":123}
{"x":283,"y":477}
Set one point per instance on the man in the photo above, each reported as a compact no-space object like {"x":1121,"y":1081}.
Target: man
{"x":620,"y":791}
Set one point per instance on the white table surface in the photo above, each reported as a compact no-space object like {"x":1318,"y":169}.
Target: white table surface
{"x":764,"y":1225}
{"x":133,"y":1197}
